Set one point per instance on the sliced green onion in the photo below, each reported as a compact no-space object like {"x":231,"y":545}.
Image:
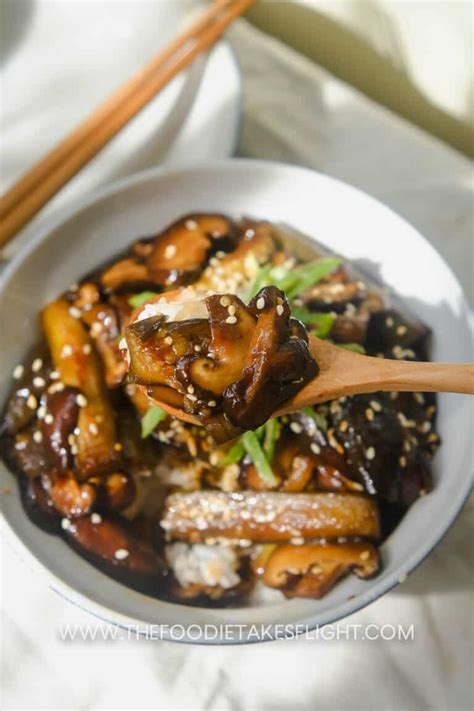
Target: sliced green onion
{"x":151,"y":419}
{"x":256,"y":453}
{"x":235,"y":453}
{"x":139,"y":299}
{"x":320,"y":420}
{"x":325,"y":325}
{"x":354,"y":347}
{"x":260,"y":280}
{"x":309,"y":274}
{"x":322,"y":321}
{"x":272,"y":432}
{"x":293,"y":281}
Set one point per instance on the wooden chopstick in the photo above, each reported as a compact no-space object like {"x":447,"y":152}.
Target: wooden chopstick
{"x":44,"y":180}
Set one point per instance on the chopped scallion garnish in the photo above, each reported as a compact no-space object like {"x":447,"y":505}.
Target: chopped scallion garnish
{"x":322,"y":322}
{"x":139,"y":299}
{"x":256,"y":453}
{"x":272,"y":432}
{"x":295,"y":280}
{"x":151,"y":419}
{"x":235,"y":453}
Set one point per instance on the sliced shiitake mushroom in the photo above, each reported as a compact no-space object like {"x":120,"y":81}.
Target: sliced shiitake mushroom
{"x":127,"y":273}
{"x":256,"y":247}
{"x":184,"y":247}
{"x":311,"y":570}
{"x":231,"y":325}
{"x":277,"y":365}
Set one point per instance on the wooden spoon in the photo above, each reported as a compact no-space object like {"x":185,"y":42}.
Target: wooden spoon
{"x":342,"y":372}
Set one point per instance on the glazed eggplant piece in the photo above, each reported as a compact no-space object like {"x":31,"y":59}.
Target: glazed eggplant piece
{"x":242,"y":362}
{"x":79,"y":367}
{"x":112,"y":545}
{"x":269,"y":516}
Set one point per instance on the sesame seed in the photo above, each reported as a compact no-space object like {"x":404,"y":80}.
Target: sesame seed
{"x":39,"y":382}
{"x":37,"y":436}
{"x":260,"y":303}
{"x":96,"y":518}
{"x":75,"y":312}
{"x":419,"y":398}
{"x":376,"y":406}
{"x":168,"y":340}
{"x":81,"y":400}
{"x":66,"y":351}
{"x":170,"y":251}
{"x":41,"y":412}
{"x":20,"y":445}
{"x":190,"y":389}
{"x":118,"y":447}
{"x":49,"y":419}
{"x":401,"y":330}
{"x":231,"y":320}
{"x":76,"y":431}
{"x":425,"y":427}
{"x":343,"y":427}
{"x":197,"y":349}
{"x":54,"y":375}
{"x":32,"y":402}
{"x":212,"y":403}
{"x":316,"y":449}
{"x":231,"y":310}
{"x":389,"y":322}
{"x":280,"y":310}
{"x":214,"y":459}
{"x":93,"y":429}
{"x":365,"y":555}
{"x":369,"y":414}
{"x":18,"y":372}
{"x":36,"y":365}
{"x":193,"y":398}
{"x":370,"y":453}
{"x":297,"y":541}
{"x":65,"y":524}
{"x":56,"y":388}
{"x":225,"y":301}
{"x":403,"y":461}
{"x":296,"y":427}
{"x":190,"y":224}
{"x":87,"y":349}
{"x":121,"y":553}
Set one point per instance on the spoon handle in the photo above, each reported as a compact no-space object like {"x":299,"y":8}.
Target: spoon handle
{"x":401,"y":376}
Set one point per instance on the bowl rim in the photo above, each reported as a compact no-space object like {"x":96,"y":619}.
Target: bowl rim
{"x":111,"y":616}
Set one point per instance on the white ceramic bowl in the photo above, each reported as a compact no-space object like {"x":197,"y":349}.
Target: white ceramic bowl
{"x":338,"y":215}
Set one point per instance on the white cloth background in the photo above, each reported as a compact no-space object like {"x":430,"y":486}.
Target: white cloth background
{"x":297,"y":113}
